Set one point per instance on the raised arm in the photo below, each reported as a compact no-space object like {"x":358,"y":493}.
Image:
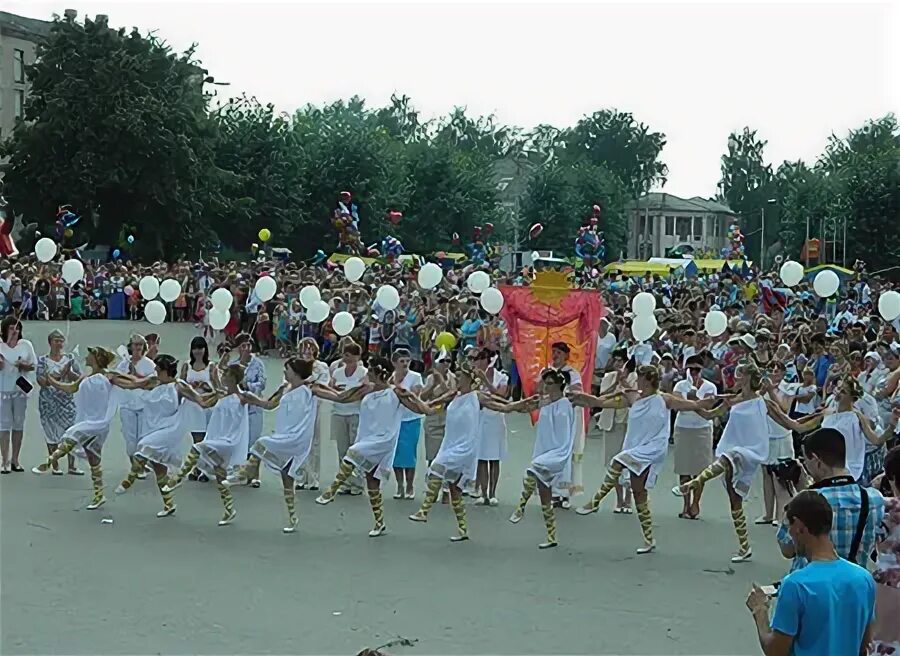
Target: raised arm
{"x":873,"y":436}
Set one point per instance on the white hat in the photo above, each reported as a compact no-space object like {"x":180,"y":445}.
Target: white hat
{"x":748,"y":340}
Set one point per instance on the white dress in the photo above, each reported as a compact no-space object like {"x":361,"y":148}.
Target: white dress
{"x":551,"y":460}
{"x":376,"y":440}
{"x":647,"y":437}
{"x":96,"y":402}
{"x":227,"y":437}
{"x":163,"y":422}
{"x":196,"y":418}
{"x":745,"y":442}
{"x":847,"y":423}
{"x":457,"y":459}
{"x":131,"y":403}
{"x":289,"y":446}
{"x":493,"y":427}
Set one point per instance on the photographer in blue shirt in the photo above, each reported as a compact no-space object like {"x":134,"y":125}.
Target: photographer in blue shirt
{"x":826,"y":608}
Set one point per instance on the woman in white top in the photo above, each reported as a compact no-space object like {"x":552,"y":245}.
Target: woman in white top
{"x":164,"y":424}
{"x":456,"y":462}
{"x":777,"y":488}
{"x":551,"y":459}
{"x":203,"y":378}
{"x":140,"y":366}
{"x":492,"y":448}
{"x":286,"y":450}
{"x":613,"y":422}
{"x":347,"y":373}
{"x":312,"y":468}
{"x":410,"y":426}
{"x":873,"y":373}
{"x":17,"y":364}
{"x":226,"y":442}
{"x":380,"y":415}
{"x":96,"y":402}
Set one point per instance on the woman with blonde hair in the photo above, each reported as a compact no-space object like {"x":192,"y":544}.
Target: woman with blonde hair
{"x":56,"y":407}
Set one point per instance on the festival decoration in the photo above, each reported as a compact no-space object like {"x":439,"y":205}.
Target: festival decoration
{"x":155,"y":312}
{"x":116,"y":253}
{"x":265,"y":235}
{"x":492,"y":300}
{"x":318,"y":312}
{"x":149,"y":287}
{"x":445,"y":341}
{"x":889,"y":305}
{"x":221,"y":299}
{"x":130,"y":239}
{"x":394,"y":217}
{"x":343,"y":323}
{"x":309,"y":295}
{"x":791,"y":273}
{"x":129,"y":290}
{"x":478,"y":281}
{"x":345,"y":219}
{"x":72,"y":271}
{"x":826,"y":283}
{"x":589,"y":243}
{"x":535,"y":230}
{"x":218,"y":318}
{"x":387,"y":297}
{"x":430,"y":276}
{"x":319,"y":257}
{"x":7,"y":221}
{"x":354,"y":268}
{"x":479,"y":249}
{"x":169,"y":290}
{"x":372,"y":251}
{"x":391,"y":248}
{"x":643,"y":303}
{"x":643,"y":326}
{"x":45,"y":249}
{"x":735,"y":248}
{"x":715,"y":323}
{"x":265,"y":288}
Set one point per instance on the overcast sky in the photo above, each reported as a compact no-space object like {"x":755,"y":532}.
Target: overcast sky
{"x":796,"y":72}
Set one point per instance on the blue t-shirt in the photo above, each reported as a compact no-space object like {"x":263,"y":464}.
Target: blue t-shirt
{"x":821,"y":366}
{"x":826,"y":607}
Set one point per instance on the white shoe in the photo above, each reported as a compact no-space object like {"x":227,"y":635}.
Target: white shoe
{"x":459,"y":538}
{"x":165,"y":512}
{"x":378,"y":531}
{"x":56,"y":472}
{"x":417,"y":517}
{"x":742,"y":557}
{"x":227,"y":519}
{"x":677,"y":491}
{"x":548,"y":545}
{"x":516,"y":517}
{"x":493,"y":501}
{"x":121,"y":489}
{"x":589,"y":509}
{"x":40,"y":470}
{"x":93,"y":505}
{"x":322,"y":500}
{"x":647,"y":548}
{"x":290,"y":528}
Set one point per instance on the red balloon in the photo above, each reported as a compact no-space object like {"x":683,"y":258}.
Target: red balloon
{"x":489,"y":228}
{"x":535,"y":230}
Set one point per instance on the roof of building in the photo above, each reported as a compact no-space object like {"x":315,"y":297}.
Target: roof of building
{"x":663,"y":201}
{"x":23,"y":27}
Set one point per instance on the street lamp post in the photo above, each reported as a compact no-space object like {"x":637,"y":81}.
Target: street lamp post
{"x":762,"y":236}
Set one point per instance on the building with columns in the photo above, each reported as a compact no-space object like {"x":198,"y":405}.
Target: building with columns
{"x":19,"y":36}
{"x":659,"y":222}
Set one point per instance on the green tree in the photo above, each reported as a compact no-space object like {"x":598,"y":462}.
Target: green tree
{"x":117,"y":125}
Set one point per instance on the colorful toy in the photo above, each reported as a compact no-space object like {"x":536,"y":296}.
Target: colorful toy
{"x":391,"y":248}
{"x":735,"y":248}
{"x":345,"y":220}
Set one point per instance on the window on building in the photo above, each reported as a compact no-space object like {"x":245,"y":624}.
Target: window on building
{"x":19,"y":96}
{"x":670,"y":226}
{"x":698,"y":228}
{"x":683,"y":227}
{"x":19,"y":66}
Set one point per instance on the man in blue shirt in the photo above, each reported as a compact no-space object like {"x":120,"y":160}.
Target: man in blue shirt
{"x":826,"y":608}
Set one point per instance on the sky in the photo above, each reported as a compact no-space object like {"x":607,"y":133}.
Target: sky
{"x":796,"y":72}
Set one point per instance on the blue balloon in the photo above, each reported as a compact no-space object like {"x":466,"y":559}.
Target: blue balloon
{"x":69,"y":219}
{"x":130,"y":239}
{"x":117,"y":254}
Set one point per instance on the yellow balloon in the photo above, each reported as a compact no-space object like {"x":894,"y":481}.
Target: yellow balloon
{"x":265,"y":234}
{"x":445,"y":340}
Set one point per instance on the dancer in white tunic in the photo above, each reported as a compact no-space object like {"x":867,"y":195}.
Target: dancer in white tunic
{"x":551,"y":460}
{"x":380,"y":415}
{"x":458,"y":457}
{"x":645,"y":445}
{"x":492,"y":446}
{"x":744,"y":446}
{"x":203,"y":377}
{"x":137,"y":364}
{"x":226,"y":442}
{"x":96,"y":401}
{"x":162,"y":444}
{"x":286,"y":450}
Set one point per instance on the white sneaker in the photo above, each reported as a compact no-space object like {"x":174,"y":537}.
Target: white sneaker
{"x":227,"y":519}
{"x":93,"y":505}
{"x":292,"y":527}
{"x":40,"y":470}
{"x":516,"y":517}
{"x":647,"y":548}
{"x":322,"y":500}
{"x":121,"y":489}
{"x":378,"y":531}
{"x":165,"y":512}
{"x":493,"y":501}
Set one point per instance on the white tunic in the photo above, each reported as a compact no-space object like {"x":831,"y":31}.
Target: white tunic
{"x":227,"y":437}
{"x":376,"y":439}
{"x":163,"y":427}
{"x":493,"y":426}
{"x":457,"y":460}
{"x":551,"y":460}
{"x":847,"y":423}
{"x":96,"y":402}
{"x":288,"y":447}
{"x":745,"y":442}
{"x":647,"y":437}
{"x":196,"y":418}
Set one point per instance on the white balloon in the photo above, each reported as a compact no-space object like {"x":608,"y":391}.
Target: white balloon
{"x":218,"y":319}
{"x":266,"y":288}
{"x":478,"y":281}
{"x":643,"y":303}
{"x":826,"y":283}
{"x":318,"y":312}
{"x":492,"y":300}
{"x":715,"y":323}
{"x":387,"y":297}
{"x":169,"y":290}
{"x":430,"y":276}
{"x":222,"y":299}
{"x":45,"y":249}
{"x":343,"y":323}
{"x":791,"y":273}
{"x":155,"y":312}
{"x":309,"y":295}
{"x":72,"y":271}
{"x":149,"y":287}
{"x":354,"y":268}
{"x":889,"y":305}
{"x":643,"y":326}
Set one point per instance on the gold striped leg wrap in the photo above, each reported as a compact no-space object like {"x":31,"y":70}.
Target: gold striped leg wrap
{"x":137,"y":466}
{"x":613,"y":473}
{"x":344,"y":472}
{"x":227,"y":498}
{"x":289,"y":500}
{"x":740,"y":528}
{"x":711,"y":472}
{"x":161,"y":481}
{"x":431,"y":494}
{"x":549,"y":521}
{"x":61,"y":451}
{"x":528,"y":487}
{"x":97,"y":482}
{"x":459,"y":509}
{"x":192,"y":457}
{"x":646,"y":520}
{"x":377,"y":509}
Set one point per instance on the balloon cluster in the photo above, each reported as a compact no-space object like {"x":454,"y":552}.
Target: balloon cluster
{"x":391,"y":248}
{"x":589,"y":244}
{"x":735,"y":248}
{"x":345,"y":220}
{"x":393,"y":217}
{"x":479,"y":249}
{"x":66,"y":219}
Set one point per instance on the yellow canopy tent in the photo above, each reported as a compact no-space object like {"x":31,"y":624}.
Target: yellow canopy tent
{"x":711,"y":266}
{"x":637,"y":267}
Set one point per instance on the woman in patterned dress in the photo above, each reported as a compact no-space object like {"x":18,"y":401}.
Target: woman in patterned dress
{"x":56,"y":407}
